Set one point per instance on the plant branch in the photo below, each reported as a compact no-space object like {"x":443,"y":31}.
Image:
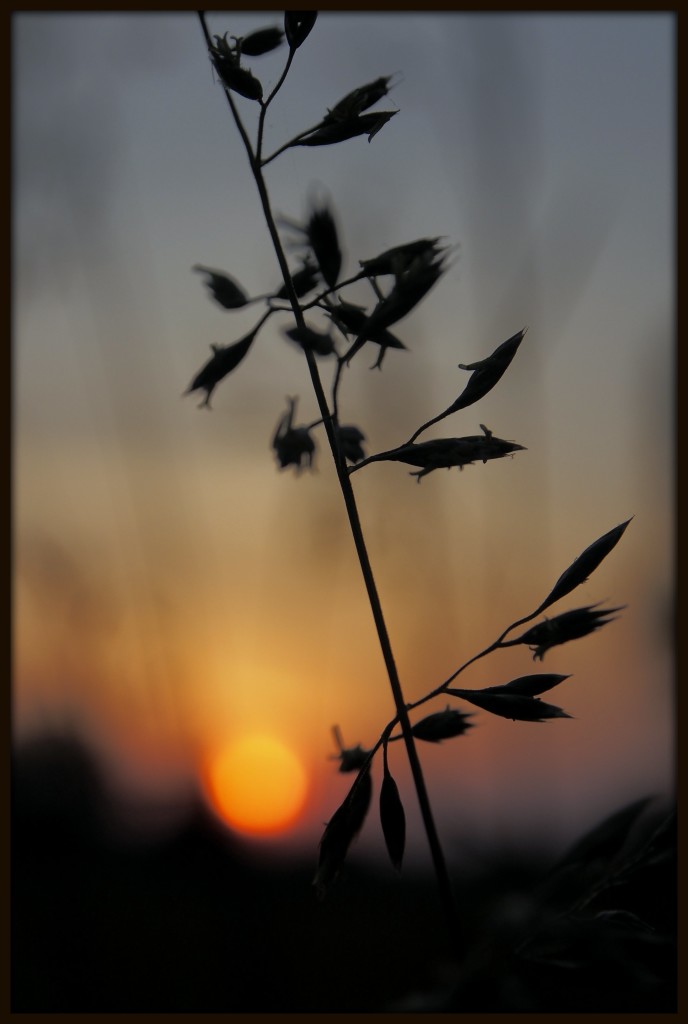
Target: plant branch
{"x":442,"y":688}
{"x":444,"y":884}
{"x":287,"y":145}
{"x":266,"y":104}
{"x":435,"y":419}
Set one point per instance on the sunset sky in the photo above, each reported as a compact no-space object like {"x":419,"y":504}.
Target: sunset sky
{"x":175,"y":591}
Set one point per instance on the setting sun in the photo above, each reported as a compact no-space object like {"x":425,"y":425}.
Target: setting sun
{"x":256,"y":784}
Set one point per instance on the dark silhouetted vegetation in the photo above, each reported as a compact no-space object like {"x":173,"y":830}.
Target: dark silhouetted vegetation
{"x":192,"y":922}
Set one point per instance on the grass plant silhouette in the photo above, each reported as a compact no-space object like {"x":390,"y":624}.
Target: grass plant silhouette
{"x":400,"y":278}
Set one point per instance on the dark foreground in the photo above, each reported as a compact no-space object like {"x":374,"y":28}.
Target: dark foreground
{"x":186,"y":924}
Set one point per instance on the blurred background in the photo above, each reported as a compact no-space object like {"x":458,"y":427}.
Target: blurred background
{"x":174,"y":592}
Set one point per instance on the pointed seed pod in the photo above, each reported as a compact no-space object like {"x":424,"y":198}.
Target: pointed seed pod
{"x":224,"y":51}
{"x":321,"y":231}
{"x":486,"y":372}
{"x":378,"y":122}
{"x":223,"y":361}
{"x":568,"y":626}
{"x":411,"y":285}
{"x":241,"y":80}
{"x":311,"y":340}
{"x":392,"y":819}
{"x":358,"y":100}
{"x":293,"y":445}
{"x":350,"y":319}
{"x":527,"y":686}
{"x":446,"y":452}
{"x":233,"y":76}
{"x":351,"y":443}
{"x":442,"y":725}
{"x":511,"y":705}
{"x":298,"y":26}
{"x":399,"y":258}
{"x":262,"y":41}
{"x":304,"y":281}
{"x":351,"y":759}
{"x":224,"y":289}
{"x":341,"y":830}
{"x":340,"y":131}
{"x":584,"y":565}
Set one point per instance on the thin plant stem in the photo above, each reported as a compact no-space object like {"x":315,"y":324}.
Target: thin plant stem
{"x":417,"y":433}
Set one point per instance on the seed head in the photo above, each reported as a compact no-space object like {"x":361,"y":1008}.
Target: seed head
{"x":445,"y":452}
{"x":399,"y":259}
{"x":322,"y":237}
{"x":226,"y":62}
{"x":304,"y":280}
{"x":442,"y":725}
{"x":341,"y":830}
{"x":350,"y":320}
{"x":262,"y":41}
{"x":355,"y":102}
{"x":311,"y":340}
{"x":293,"y":445}
{"x":487,"y":372}
{"x":568,"y":626}
{"x":223,"y":288}
{"x":298,"y":26}
{"x":339,"y":131}
{"x":392,"y":819}
{"x":223,"y":360}
{"x":350,"y":441}
{"x":516,"y":706}
{"x":351,"y":759}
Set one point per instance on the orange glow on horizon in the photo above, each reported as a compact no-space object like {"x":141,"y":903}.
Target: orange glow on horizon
{"x":256,"y":785}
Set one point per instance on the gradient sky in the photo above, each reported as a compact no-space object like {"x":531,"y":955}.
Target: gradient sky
{"x":172,"y":587}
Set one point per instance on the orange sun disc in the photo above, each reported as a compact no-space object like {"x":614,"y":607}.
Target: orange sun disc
{"x":256,"y":785}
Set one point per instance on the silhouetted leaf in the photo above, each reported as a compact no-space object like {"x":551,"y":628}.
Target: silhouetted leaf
{"x":568,"y":626}
{"x":584,"y":565}
{"x":298,"y":26}
{"x":442,"y":725}
{"x":486,"y":373}
{"x":262,"y":41}
{"x":343,"y":827}
{"x":223,"y":361}
{"x":392,"y":819}
{"x":511,"y":705}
